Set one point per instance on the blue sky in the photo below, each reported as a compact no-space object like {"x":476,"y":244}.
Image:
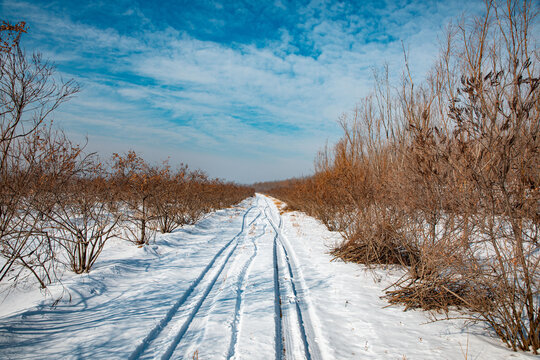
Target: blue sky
{"x":245,"y":90}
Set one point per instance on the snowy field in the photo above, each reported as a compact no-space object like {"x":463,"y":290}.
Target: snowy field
{"x":244,"y":283}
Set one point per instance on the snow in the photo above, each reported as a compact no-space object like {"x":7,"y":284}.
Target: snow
{"x":244,"y":283}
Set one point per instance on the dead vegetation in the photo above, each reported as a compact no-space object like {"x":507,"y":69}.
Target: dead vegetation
{"x":443,"y":177}
{"x":58,"y":205}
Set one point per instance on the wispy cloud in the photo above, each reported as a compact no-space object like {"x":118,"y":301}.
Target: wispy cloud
{"x":247,"y":92}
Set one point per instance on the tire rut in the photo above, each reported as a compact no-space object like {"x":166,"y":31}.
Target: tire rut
{"x":304,"y":314}
{"x":145,"y":344}
{"x":242,"y":283}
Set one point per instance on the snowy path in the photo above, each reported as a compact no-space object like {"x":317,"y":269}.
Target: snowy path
{"x":244,"y":283}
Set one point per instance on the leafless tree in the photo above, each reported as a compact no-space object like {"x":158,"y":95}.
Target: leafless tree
{"x":29,"y":93}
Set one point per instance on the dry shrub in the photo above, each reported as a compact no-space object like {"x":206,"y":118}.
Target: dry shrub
{"x":29,"y":153}
{"x":81,"y":215}
{"x":185,"y":196}
{"x":157,"y":198}
{"x":136,"y":184}
{"x":483,"y":152}
{"x":58,"y":206}
{"x":444,"y":177}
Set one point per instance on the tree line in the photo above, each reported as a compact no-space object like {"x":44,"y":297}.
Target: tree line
{"x":60,"y":205}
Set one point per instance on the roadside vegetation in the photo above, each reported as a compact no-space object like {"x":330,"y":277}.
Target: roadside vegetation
{"x":60,"y":205}
{"x":443,"y":177}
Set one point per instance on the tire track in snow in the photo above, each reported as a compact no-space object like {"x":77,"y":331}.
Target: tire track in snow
{"x":278,"y":314}
{"x":308,"y":318}
{"x":165,"y":321}
{"x":291,"y":324}
{"x":241,"y":287}
{"x":178,"y":338}
{"x":309,"y":333}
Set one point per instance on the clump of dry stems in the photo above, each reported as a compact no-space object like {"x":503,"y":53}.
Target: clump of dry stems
{"x":443,"y":177}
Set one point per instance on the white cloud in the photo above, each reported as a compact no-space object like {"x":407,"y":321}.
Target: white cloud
{"x":171,"y":94}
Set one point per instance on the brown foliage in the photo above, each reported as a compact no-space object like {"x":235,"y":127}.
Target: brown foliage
{"x":10,"y":35}
{"x":443,"y":177}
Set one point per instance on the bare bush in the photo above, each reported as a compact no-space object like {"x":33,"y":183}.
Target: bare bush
{"x":82,"y":216}
{"x":443,"y":177}
{"x":28,"y":95}
{"x":137,"y":185}
{"x":59,"y":206}
{"x":169,"y":204}
{"x":155,"y":198}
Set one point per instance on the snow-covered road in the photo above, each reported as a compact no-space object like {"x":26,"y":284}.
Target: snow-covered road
{"x":245,"y":283}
